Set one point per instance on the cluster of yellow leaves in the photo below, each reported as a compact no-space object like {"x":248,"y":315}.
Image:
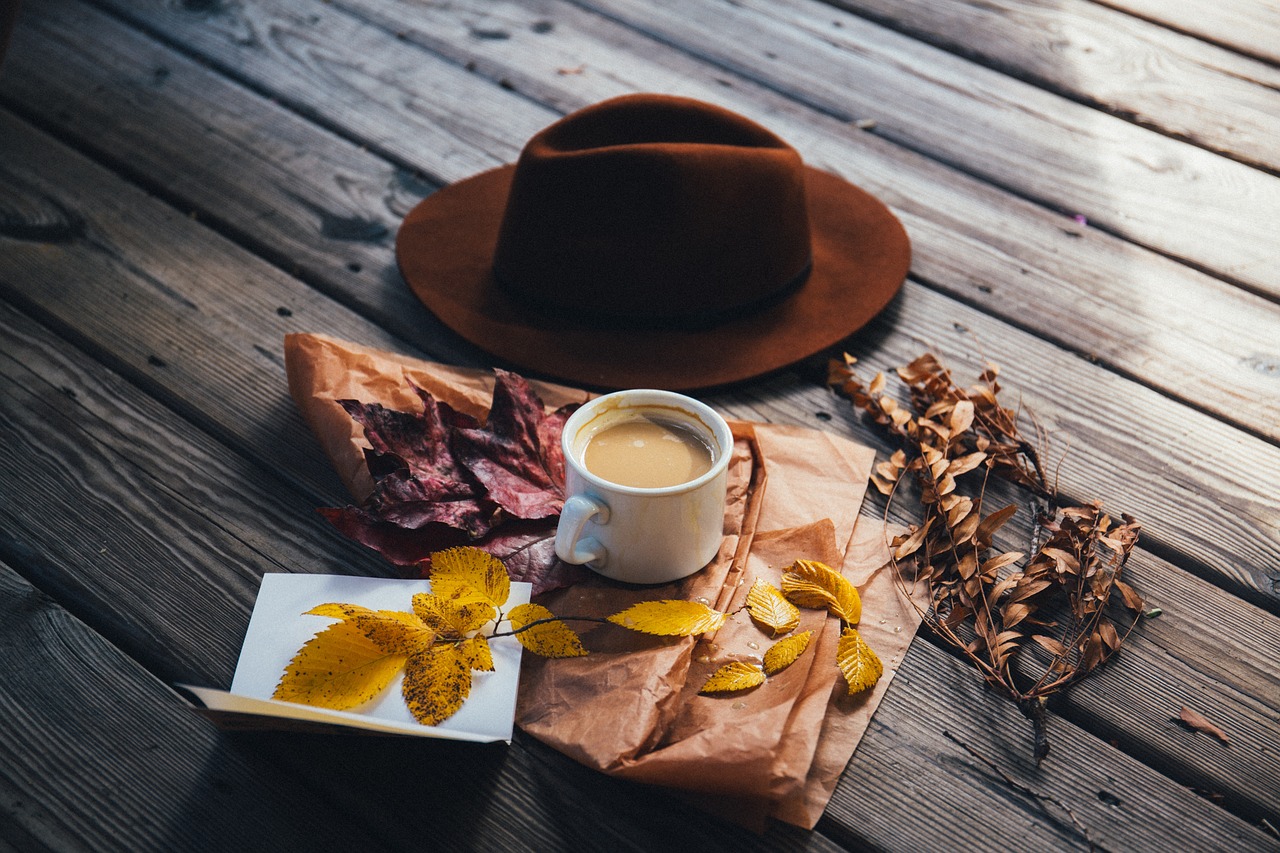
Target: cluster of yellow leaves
{"x":809,"y":584}
{"x":437,"y":643}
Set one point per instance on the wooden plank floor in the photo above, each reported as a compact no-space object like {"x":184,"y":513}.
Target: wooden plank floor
{"x":1092,"y":191}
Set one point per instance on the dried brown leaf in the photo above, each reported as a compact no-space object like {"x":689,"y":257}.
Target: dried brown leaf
{"x":998,"y":562}
{"x":965,"y":464}
{"x":994,"y":522}
{"x":1132,"y":600}
{"x":965,"y":530}
{"x":961,"y":417}
{"x":1050,"y":644}
{"x":1197,"y":721}
{"x":913,"y":542}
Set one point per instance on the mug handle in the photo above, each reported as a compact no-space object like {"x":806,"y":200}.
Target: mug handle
{"x":570,"y":544}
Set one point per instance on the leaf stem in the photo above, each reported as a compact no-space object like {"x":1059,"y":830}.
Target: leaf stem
{"x":537,"y":622}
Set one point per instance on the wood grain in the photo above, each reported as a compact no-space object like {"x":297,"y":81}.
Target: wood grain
{"x":1179,"y":200}
{"x":933,"y":693}
{"x":1213,"y":494}
{"x":249,"y":441}
{"x":83,"y":724}
{"x":1186,"y":504}
{"x":1035,"y":269}
{"x":1248,"y":26}
{"x":937,"y":317}
{"x":379,"y":766}
{"x":970,"y":241}
{"x":1173,"y":83}
{"x":248,"y":184}
{"x":182,"y":614}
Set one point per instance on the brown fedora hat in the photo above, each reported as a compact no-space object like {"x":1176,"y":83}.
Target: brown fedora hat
{"x":653,"y":241}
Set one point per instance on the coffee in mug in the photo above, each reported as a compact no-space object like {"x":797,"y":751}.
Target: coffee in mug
{"x":645,"y":476}
{"x":648,"y":452}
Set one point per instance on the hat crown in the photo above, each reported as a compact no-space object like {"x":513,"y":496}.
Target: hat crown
{"x":652,"y":208}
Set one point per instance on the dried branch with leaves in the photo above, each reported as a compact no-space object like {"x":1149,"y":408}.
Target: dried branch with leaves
{"x":1030,"y":626}
{"x":445,"y":636}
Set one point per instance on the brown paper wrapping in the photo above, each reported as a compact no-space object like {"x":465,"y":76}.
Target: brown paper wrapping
{"x":631,"y":708}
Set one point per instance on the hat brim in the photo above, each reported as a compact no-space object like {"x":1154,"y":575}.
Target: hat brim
{"x":445,"y":249}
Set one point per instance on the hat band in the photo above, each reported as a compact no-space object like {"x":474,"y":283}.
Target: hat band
{"x":691,"y":321}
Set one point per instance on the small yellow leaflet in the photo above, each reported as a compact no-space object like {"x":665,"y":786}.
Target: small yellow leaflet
{"x":861,"y":666}
{"x":784,"y":652}
{"x":768,"y":607}
{"x":453,"y":617}
{"x":338,"y":668}
{"x":477,"y":654}
{"x":552,"y":639}
{"x":734,"y":676}
{"x":436,"y":683}
{"x":817,"y":585}
{"x":670,"y":618}
{"x":455,"y":570}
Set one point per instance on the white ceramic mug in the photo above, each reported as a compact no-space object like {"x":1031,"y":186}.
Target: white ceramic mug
{"x":635,"y":534}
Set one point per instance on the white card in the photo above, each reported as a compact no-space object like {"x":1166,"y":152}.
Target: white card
{"x":279,"y":628}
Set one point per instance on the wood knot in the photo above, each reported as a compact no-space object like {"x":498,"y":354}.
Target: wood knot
{"x":39,"y":219}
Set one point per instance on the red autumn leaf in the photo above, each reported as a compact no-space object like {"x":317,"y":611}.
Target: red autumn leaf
{"x":516,"y":455}
{"x":418,"y":480}
{"x":442,"y":479}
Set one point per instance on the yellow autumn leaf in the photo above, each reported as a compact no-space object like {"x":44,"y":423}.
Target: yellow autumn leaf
{"x":453,"y":617}
{"x":768,"y":607}
{"x":859,"y":663}
{"x":809,"y":583}
{"x":552,"y":639}
{"x":396,"y":631}
{"x":784,"y":652}
{"x":734,"y":676}
{"x":476,"y":653}
{"x":338,"y":611}
{"x":339,"y":668}
{"x":455,"y":569}
{"x":436,"y":683}
{"x":670,"y":618}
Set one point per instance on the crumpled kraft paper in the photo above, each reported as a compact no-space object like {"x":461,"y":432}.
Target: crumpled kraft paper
{"x":631,"y":708}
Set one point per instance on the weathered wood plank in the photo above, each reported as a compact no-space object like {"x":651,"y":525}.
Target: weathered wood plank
{"x":83,"y":179}
{"x":1249,"y":26}
{"x":966,"y":239}
{"x":1178,"y":199}
{"x":70,"y":427}
{"x":1108,"y":426}
{"x":1035,"y":269}
{"x":1260,"y":507}
{"x":237,"y":161}
{"x":372,"y":773}
{"x":1207,"y":651}
{"x":83,"y":724}
{"x":1173,"y":83}
{"x":1080,"y":274}
{"x":901,"y":756}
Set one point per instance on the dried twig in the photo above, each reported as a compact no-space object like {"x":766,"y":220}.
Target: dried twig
{"x":993,"y":605}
